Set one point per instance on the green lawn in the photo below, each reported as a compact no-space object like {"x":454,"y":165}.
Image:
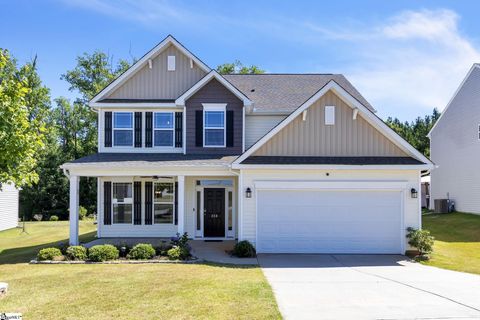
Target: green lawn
{"x":457,"y":241}
{"x":145,"y":291}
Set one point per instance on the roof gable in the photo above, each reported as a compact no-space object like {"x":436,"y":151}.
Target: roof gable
{"x":169,"y":43}
{"x":354,"y":104}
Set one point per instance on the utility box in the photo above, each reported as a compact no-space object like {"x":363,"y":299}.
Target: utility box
{"x":441,"y":206}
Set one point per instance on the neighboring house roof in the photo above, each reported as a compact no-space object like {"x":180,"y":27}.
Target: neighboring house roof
{"x":137,"y":101}
{"x":274,"y":93}
{"x":172,"y":159}
{"x":331,"y":160}
{"x":475,"y":65}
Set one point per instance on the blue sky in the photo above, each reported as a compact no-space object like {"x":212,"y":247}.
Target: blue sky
{"x":405,"y":57}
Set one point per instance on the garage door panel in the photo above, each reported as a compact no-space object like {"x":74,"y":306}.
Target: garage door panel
{"x":360,"y":221}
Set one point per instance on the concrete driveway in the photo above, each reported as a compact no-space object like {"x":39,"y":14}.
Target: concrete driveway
{"x":368,"y":287}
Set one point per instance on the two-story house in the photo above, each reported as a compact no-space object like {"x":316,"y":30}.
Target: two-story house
{"x":290,"y":162}
{"x":455,"y":147}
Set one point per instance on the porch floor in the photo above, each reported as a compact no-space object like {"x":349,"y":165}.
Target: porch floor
{"x":215,"y":252}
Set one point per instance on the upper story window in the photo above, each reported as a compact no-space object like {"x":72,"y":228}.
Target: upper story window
{"x":214,"y":125}
{"x":123,"y":129}
{"x":164,"y":126}
{"x":122,"y":201}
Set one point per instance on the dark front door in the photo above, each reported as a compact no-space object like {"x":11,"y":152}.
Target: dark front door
{"x":214,"y":212}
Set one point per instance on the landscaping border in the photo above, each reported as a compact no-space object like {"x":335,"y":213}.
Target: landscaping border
{"x":120,"y":262}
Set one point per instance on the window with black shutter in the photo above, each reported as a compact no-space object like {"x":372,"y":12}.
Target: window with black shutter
{"x":108,"y":129}
{"x":148,"y":129}
{"x":230,"y":130}
{"x":178,"y":129}
{"x":137,"y":202}
{"x":148,"y":202}
{"x":199,"y":128}
{"x":107,"y":202}
{"x":138,"y":129}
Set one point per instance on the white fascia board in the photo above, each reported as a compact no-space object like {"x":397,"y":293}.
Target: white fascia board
{"x":330,"y":167}
{"x":144,"y":61}
{"x":353,"y":103}
{"x":213,"y":74}
{"x":99,"y":105}
{"x":475,"y":65}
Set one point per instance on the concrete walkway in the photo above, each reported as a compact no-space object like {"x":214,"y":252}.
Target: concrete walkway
{"x":369,"y":287}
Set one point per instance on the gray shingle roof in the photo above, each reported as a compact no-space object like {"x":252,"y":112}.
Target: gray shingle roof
{"x":173,"y":159}
{"x":279,"y":160}
{"x":286,"y":92}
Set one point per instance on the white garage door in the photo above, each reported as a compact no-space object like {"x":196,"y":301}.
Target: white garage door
{"x":307,"y":221}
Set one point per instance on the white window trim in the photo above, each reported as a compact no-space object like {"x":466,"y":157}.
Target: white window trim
{"x":222,"y":107}
{"x":124,"y":129}
{"x":329,"y":117}
{"x":163,"y":202}
{"x":171,"y":63}
{"x":114,"y":202}
{"x":164,"y":129}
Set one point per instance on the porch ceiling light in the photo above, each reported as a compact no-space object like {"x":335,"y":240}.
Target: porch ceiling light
{"x":248,"y":193}
{"x":414,"y":193}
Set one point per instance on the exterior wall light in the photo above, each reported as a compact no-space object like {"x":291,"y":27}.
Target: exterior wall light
{"x":414,"y":193}
{"x":248,"y":193}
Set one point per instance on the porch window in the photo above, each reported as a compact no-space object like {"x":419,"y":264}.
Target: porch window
{"x":230,"y":210}
{"x":164,"y":126}
{"x":122,"y":201}
{"x":164,"y":202}
{"x":214,"y":125}
{"x":123,"y":129}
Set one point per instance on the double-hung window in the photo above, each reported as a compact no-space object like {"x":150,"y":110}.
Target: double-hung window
{"x":123,"y":129}
{"x":122,"y":201}
{"x":214,"y":125}
{"x":164,"y":126}
{"x":164,"y":202}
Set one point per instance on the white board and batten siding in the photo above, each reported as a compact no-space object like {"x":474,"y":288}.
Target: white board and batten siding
{"x":366,"y":215}
{"x":8,"y":207}
{"x":455,"y":149}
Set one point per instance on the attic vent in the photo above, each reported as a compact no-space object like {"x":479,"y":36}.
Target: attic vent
{"x":171,"y":63}
{"x":329,"y":115}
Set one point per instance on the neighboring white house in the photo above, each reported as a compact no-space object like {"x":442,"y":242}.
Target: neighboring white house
{"x":8,"y":207}
{"x":294,"y":163}
{"x":455,"y":147}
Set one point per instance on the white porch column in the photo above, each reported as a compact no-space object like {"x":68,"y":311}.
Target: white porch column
{"x":181,"y":204}
{"x":74,"y":201}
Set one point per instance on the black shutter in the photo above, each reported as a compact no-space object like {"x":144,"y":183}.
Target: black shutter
{"x":108,"y":129}
{"x":137,"y":202}
{"x":107,"y":202}
{"x":148,"y":129}
{"x":175,"y":196}
{"x":178,"y":129}
{"x":138,"y":129}
{"x":148,"y":202}
{"x":230,"y":128}
{"x":199,"y":128}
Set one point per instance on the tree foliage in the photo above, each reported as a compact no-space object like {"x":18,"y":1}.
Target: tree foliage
{"x":415,"y":132}
{"x":238,"y":67}
{"x":24,"y":104}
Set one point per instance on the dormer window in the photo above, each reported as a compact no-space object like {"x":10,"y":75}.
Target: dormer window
{"x":123,"y":129}
{"x":214,"y":125}
{"x":163,"y":126}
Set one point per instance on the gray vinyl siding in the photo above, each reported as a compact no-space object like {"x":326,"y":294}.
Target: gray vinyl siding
{"x":455,"y":149}
{"x":347,"y":137}
{"x":256,"y":126}
{"x":214,"y":92}
{"x":8,"y":207}
{"x":158,"y":83}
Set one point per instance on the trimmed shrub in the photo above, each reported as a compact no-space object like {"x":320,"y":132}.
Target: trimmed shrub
{"x":103,"y":252}
{"x":49,"y":254}
{"x":178,"y":253}
{"x":82,"y":213}
{"x":141,"y":251}
{"x":421,"y":239}
{"x":162,"y":250}
{"x":78,"y":253}
{"x":244,"y":249}
{"x":53,"y":218}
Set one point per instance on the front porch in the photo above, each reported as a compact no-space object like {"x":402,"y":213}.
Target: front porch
{"x":203,"y":250}
{"x":161,"y":205}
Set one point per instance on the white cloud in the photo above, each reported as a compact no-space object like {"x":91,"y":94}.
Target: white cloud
{"x":410,"y":64}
